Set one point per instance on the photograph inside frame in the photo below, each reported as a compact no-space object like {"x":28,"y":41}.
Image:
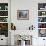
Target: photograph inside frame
{"x":23,"y":14}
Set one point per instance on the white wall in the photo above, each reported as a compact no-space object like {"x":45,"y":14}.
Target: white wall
{"x":23,"y":5}
{"x":32,"y":6}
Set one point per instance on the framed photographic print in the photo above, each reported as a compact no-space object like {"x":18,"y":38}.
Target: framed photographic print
{"x":23,"y":14}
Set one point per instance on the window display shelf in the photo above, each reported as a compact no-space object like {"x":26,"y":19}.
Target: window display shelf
{"x":42,"y":16}
{"x":3,"y":16}
{"x":3,"y":10}
{"x":4,"y":19}
{"x":3,"y":22}
{"x":41,"y":28}
{"x":42,"y":10}
{"x":42,"y":19}
{"x":41,"y":22}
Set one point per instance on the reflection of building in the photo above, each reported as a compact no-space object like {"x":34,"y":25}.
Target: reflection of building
{"x":43,"y":25}
{"x":4,"y":29}
{"x":42,"y":19}
{"x":42,"y":33}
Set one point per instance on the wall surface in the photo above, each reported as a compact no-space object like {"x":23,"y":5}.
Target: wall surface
{"x":24,"y":5}
{"x":32,"y":6}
